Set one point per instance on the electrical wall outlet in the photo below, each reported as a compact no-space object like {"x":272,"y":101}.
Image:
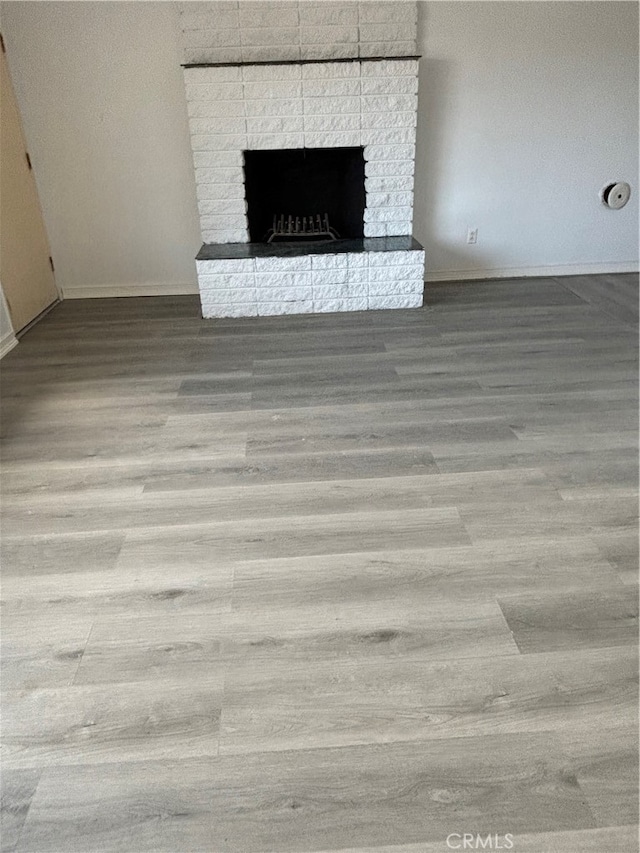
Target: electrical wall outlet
{"x":472,"y":235}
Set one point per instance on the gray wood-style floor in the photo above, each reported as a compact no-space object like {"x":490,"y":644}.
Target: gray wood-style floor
{"x":341,"y":582}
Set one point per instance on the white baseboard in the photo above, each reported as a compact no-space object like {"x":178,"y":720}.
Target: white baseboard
{"x":7,"y":343}
{"x":533,"y":272}
{"x":187,"y":288}
{"x":146,"y":288}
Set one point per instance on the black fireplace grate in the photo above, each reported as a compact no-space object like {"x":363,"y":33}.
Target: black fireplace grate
{"x":290,"y":227}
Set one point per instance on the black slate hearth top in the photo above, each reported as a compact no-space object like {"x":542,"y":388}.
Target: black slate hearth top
{"x":235,"y":251}
{"x":297,"y":61}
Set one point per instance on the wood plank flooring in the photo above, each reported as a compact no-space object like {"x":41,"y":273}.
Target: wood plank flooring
{"x":343,"y":582}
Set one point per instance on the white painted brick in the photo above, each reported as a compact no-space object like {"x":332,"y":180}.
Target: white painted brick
{"x":389,"y":287}
{"x":220,"y":20}
{"x":349,"y":121}
{"x":236,"y":296}
{"x":271,"y":141}
{"x":211,"y":38}
{"x":294,"y":264}
{"x":387,"y":214}
{"x":401,"y":199}
{"x":390,"y":12}
{"x":389,"y":183}
{"x":378,"y":168}
{"x":330,"y":70}
{"x":264,"y":14}
{"x":212,"y":54}
{"x":211,"y":222}
{"x":379,"y":259}
{"x":389,"y":85}
{"x":389,"y":152}
{"x":388,"y":136}
{"x":330,"y":291}
{"x":273,"y":89}
{"x":214,"y":91}
{"x":390,"y":68}
{"x":387,"y":32}
{"x":340,"y":291}
{"x":266,"y":309}
{"x":213,"y":192}
{"x":331,"y":277}
{"x":330,"y":306}
{"x":212,"y":75}
{"x":282,"y":280}
{"x":208,"y":269}
{"x":214,"y":176}
{"x":389,"y":103}
{"x":269,"y":73}
{"x":217,"y":192}
{"x":329,"y":262}
{"x":331,"y":88}
{"x":274,"y":107}
{"x":412,"y":258}
{"x":331,"y":106}
{"x":216,"y":142}
{"x":357,"y":261}
{"x":267,"y":36}
{"x":382,"y":275}
{"x":388,"y":48}
{"x":357,"y":288}
{"x":330,"y":35}
{"x":275,"y":124}
{"x":403,"y":300}
{"x":313,"y":13}
{"x":329,"y":51}
{"x":284,"y":294}
{"x":225,"y":236}
{"x":357,"y":304}
{"x":386,"y":120}
{"x":225,"y":125}
{"x":399,"y":229}
{"x":375,"y":229}
{"x":357,"y":283}
{"x":217,"y":159}
{"x":273,"y":53}
{"x":220,"y":207}
{"x":235,"y":279}
{"x":226,"y":299}
{"x":212,"y":310}
{"x":215,"y":109}
{"x":318,"y":139}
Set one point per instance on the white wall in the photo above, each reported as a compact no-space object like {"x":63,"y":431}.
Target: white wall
{"x":102,"y":98}
{"x":524,"y":114}
{"x":525,"y":111}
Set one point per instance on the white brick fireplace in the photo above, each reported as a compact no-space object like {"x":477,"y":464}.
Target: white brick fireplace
{"x":294,"y":76}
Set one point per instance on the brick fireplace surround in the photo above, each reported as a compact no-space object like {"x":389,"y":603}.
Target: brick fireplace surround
{"x":311,"y":74}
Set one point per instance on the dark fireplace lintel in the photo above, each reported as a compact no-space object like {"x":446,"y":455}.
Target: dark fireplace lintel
{"x":298,"y":61}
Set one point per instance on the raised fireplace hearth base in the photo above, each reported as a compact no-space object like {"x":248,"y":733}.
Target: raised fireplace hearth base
{"x":258,"y":279}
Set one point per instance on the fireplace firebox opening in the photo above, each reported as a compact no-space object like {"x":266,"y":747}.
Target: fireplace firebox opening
{"x":304,"y":194}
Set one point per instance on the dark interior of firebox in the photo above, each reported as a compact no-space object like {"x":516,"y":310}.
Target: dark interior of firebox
{"x":305,"y":194}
